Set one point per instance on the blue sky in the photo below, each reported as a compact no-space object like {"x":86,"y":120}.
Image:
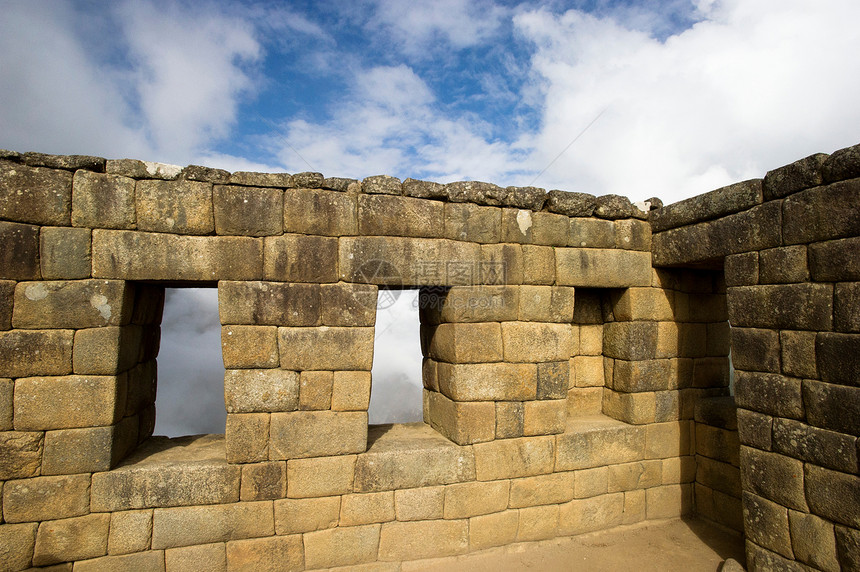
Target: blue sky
{"x":690,"y":95}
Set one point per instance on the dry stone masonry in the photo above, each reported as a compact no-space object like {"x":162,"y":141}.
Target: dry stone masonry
{"x":576,"y":366}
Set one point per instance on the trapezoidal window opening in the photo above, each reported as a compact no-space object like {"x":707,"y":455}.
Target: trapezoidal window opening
{"x":190,"y":394}
{"x":396,"y":388}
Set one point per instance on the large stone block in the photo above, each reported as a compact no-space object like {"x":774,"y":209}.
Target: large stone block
{"x":247,"y":211}
{"x":742,"y":269}
{"x":826,"y":448}
{"x":263,"y":481}
{"x":204,"y":557}
{"x":17,"y":542}
{"x":632,"y":476}
{"x":102,"y":201}
{"x":19,"y":259}
{"x":45,"y":498}
{"x":668,"y":501}
{"x":718,"y":476}
{"x":462,"y":422}
{"x":7,"y":387}
{"x":602,"y":268}
{"x":538,"y":265}
{"x":835,"y":260}
{"x":769,"y":393}
{"x":326,"y":348}
{"x":834,"y":407}
{"x":813,"y":541}
{"x":368,"y":508}
{"x":591,"y":482}
{"x":320,"y":476}
{"x":630,"y":340}
{"x":536,"y":342}
{"x":463,"y":500}
{"x":775,"y":477}
{"x":326,"y":213}
{"x":595,"y":513}
{"x":635,"y":408}
{"x":348,"y":304}
{"x":544,"y":417}
{"x":715,"y":204}
{"x":794,"y":177}
{"x":72,"y":304}
{"x":469,"y":304}
{"x":584,"y":401}
{"x":467,"y":343}
{"x":68,"y":402}
{"x":130,"y":531}
{"x":488,"y":381}
{"x":838,"y":357}
{"x":20,"y":454}
{"x":315,"y":389}
{"x":553,"y":379}
{"x":182,"y":206}
{"x":380,"y":215}
{"x":788,"y":306}
{"x":269,"y":303}
{"x":846,"y":312}
{"x":70,"y":451}
{"x":783,"y":265}
{"x":400,"y":541}
{"x":512,"y":458}
{"x":848,"y":546}
{"x":717,"y":443}
{"x":644,"y":375}
{"x":425,"y":503}
{"x":35,"y":352}
{"x":301,"y":258}
{"x":294,"y":516}
{"x":130,"y":255}
{"x":672,"y":439}
{"x":259,"y":390}
{"x":755,"y":349}
{"x":797,"y":353}
{"x":106,"y":350}
{"x":591,"y":233}
{"x":509,"y":419}
{"x":7,"y":296}
{"x":644,"y":304}
{"x":317,"y":434}
{"x":190,"y":525}
{"x":538,"y":523}
{"x":833,"y":495}
{"x":766,"y":523}
{"x":246,"y":437}
{"x":350,"y":391}
{"x":35,"y":195}
{"x":502,"y":264}
{"x":496,"y":529}
{"x":755,"y":429}
{"x":65,"y":252}
{"x":822,"y":213}
{"x":249,"y":347}
{"x":71,"y":539}
{"x":274,"y":554}
{"x":596,"y":442}
{"x":341,"y":546}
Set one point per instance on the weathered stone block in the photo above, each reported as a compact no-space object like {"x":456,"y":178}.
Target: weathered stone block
{"x":20,"y":454}
{"x":132,"y":255}
{"x":472,"y":223}
{"x":463,"y":500}
{"x":663,"y":440}
{"x":269,"y":303}
{"x":756,"y":349}
{"x":835,"y":260}
{"x":106,"y":350}
{"x":715,"y":204}
{"x":35,"y":195}
{"x":68,"y":402}
{"x":308,"y":179}
{"x":423,"y":189}
{"x":300,"y":258}
{"x":591,"y":482}
{"x":553,"y":488}
{"x":350,"y":391}
{"x":834,"y":407}
{"x":631,"y":476}
{"x":595,"y":513}
{"x":249,"y":346}
{"x":783,"y":265}
{"x":644,"y":304}
{"x":822,"y":213}
{"x":263,"y":481}
{"x":794,"y":177}
{"x":634,"y":507}
{"x":602,"y":268}
{"x":182,"y":206}
{"x":633,"y":234}
{"x":65,"y":252}
{"x":326,"y":348}
{"x":826,"y":448}
{"x":538,"y":264}
{"x":553,"y":379}
{"x":742,"y":269}
{"x":775,"y":477}
{"x":325,"y":213}
{"x":315,"y":388}
{"x":274,"y":554}
{"x":584,"y":401}
{"x":538,"y":523}
{"x":717,"y":443}
{"x":591,"y":339}
{"x":45,"y":498}
{"x":247,"y":211}
{"x":190,"y":525}
{"x":7,"y":296}
{"x":469,"y":304}
{"x":368,"y":508}
{"x":246,"y":435}
{"x":847,"y":546}
{"x":19,"y":259}
{"x":769,"y":393}
{"x":833,"y":495}
{"x":536,"y":342}
{"x":72,"y":304}
{"x":294,"y":516}
{"x":502,"y":264}
{"x":317,"y":434}
{"x":70,"y":451}
{"x":787,"y":307}
{"x":462,"y":422}
{"x":130,"y":531}
{"x":496,"y":529}
{"x":797,"y":353}
{"x":381,"y":185}
{"x":426,"y":503}
{"x":570,"y":203}
{"x":142,"y":169}
{"x":846,"y":312}
{"x":408,"y":540}
{"x":766,"y":523}
{"x":813,"y":540}
{"x":71,"y":539}
{"x":102,"y":201}
{"x":591,"y":233}
{"x":511,"y":458}
{"x":17,"y":542}
{"x":630,"y":340}
{"x":838,"y":357}
{"x":597,"y":442}
{"x":204,"y":557}
{"x":488,"y":381}
{"x":668,"y":501}
{"x":348,"y":304}
{"x":545,"y":417}
{"x":754,"y":429}
{"x":467,"y":343}
{"x":644,"y":375}
{"x":7,"y":387}
{"x":400,"y":216}
{"x":509,"y":419}
{"x":635,"y":408}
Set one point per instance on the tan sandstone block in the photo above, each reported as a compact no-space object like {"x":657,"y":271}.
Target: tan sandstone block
{"x":488,"y":381}
{"x":425,"y":503}
{"x":341,"y":546}
{"x":44,"y":498}
{"x":497,"y":529}
{"x":190,"y":525}
{"x":264,"y":481}
{"x":102,"y":200}
{"x":504,"y":262}
{"x":350,"y":391}
{"x":463,"y":500}
{"x":644,"y":304}
{"x":326,"y":348}
{"x":677,"y":470}
{"x":344,"y":304}
{"x":587,"y":371}
{"x":591,"y":340}
{"x":535,"y":302}
{"x":249,"y":346}
{"x":6,"y":404}
{"x":635,"y":408}
{"x":663,"y":440}
{"x":554,"y":488}
{"x":182,"y":207}
{"x":294,"y":516}
{"x":509,"y":419}
{"x":591,"y":482}
{"x":368,"y":508}
{"x":274,"y":554}
{"x":107,"y":350}
{"x":16,"y":545}
{"x":260,"y":390}
{"x":91,"y":449}
{"x":247,"y":437}
{"x":327,"y":213}
{"x":602,"y":268}
{"x":409,"y":540}
{"x":35,"y":352}
{"x":511,"y":458}
{"x":538,"y":523}
{"x":65,"y":253}
{"x":634,"y":507}
{"x":467,"y":343}
{"x":536,"y":342}
{"x":669,"y":501}
{"x":68,"y":402}
{"x":20,"y":454}
{"x":472,"y":223}
{"x":320,"y":477}
{"x":538,"y":264}
{"x":72,"y":304}
{"x":300,"y":258}
{"x":545,"y":417}
{"x":597,"y":442}
{"x":584,"y":401}
{"x":71,"y":539}
{"x":469,"y":304}
{"x":462,"y":422}
{"x":317,"y":434}
{"x":638,"y":475}
{"x":315,"y":389}
{"x":205,"y":558}
{"x":248,"y":211}
{"x":130,"y":531}
{"x":595,"y":513}
{"x":150,"y":560}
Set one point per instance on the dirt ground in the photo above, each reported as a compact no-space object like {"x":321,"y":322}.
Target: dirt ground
{"x":683,"y":545}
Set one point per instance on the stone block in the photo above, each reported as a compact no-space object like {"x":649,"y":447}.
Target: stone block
{"x":842,"y":164}
{"x":320,"y":476}
{"x":553,"y":488}
{"x":631,"y":476}
{"x":591,"y":233}
{"x":775,"y":477}
{"x":317,"y":433}
{"x":68,"y":402}
{"x":602,"y":268}
{"x":269,"y":303}
{"x":496,"y":529}
{"x":742,"y":269}
{"x":70,"y":451}
{"x":644,"y":375}
{"x":423,"y":189}
{"x":797,"y":353}
{"x":838,"y":357}
{"x":668,"y":501}
{"x":813,"y":541}
{"x":308,"y":180}
{"x":591,"y":339}
{"x":584,"y":401}
{"x":535,"y":304}
{"x":755,"y":349}
{"x":509,"y":419}
{"x":315,"y":389}
{"x":835,"y":260}
{"x":467,"y":343}
{"x":142,"y":169}
{"x":318,"y":212}
{"x":634,"y":507}
{"x":247,"y":211}
{"x":6,"y":404}
{"x":783,"y":265}
{"x":400,"y":541}
{"x":770,"y":394}
{"x":595,"y":513}
{"x":630,"y":340}
{"x":181,"y":207}
{"x":247,"y":437}
{"x":570,"y":203}
{"x":381,"y":184}
{"x":65,"y":252}
{"x":35,"y":195}
{"x":591,"y":482}
{"x":273,"y":554}
{"x":512,"y":458}
{"x":463,"y":500}
{"x":72,"y":304}
{"x":711,"y":372}
{"x":846,"y":312}
{"x":719,"y":339}
{"x":596,"y":442}
{"x":132,"y":255}
{"x":822,"y":213}
{"x":7,"y":296}
{"x":847,"y":547}
{"x":538,"y":523}
{"x":462,"y":422}
{"x":263,"y":481}
{"x":400,"y":216}
{"x":754,"y":429}
{"x":588,"y":371}
{"x":834,"y":407}
{"x":538,"y":264}
{"x":663,"y":440}
{"x":19,"y":259}
{"x":300,"y":258}
{"x":295,"y":516}
{"x":635,"y":408}
{"x":107,"y":350}
{"x":833,"y":495}
{"x":766,"y":524}
{"x":469,"y":304}
{"x":502,"y":264}
{"x":71,"y":539}
{"x":426,"y":503}
{"x":17,"y":542}
{"x":350,"y":391}
{"x":130,"y":531}
{"x":20,"y":454}
{"x":717,"y":443}
{"x":191,"y":525}
{"x":488,"y":381}
{"x":632,"y":234}
{"x":472,"y":223}
{"x":348,"y":304}
{"x":715,"y":204}
{"x":536,"y":342}
{"x":205,"y":557}
{"x":368,"y":508}
{"x":644,"y":304}
{"x":802,"y":174}
{"x":545,"y":417}
{"x":553,"y":379}
{"x":45,"y":498}
{"x":825,"y":448}
{"x":249,"y":346}
{"x":326,"y":348}
{"x":103,"y":201}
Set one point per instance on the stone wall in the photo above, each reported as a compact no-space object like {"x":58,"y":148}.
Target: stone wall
{"x":570,"y":385}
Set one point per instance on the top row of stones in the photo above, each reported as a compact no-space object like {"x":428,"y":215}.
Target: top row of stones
{"x":610,"y":207}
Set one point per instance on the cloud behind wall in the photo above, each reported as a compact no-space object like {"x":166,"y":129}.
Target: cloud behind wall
{"x":639,"y":98}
